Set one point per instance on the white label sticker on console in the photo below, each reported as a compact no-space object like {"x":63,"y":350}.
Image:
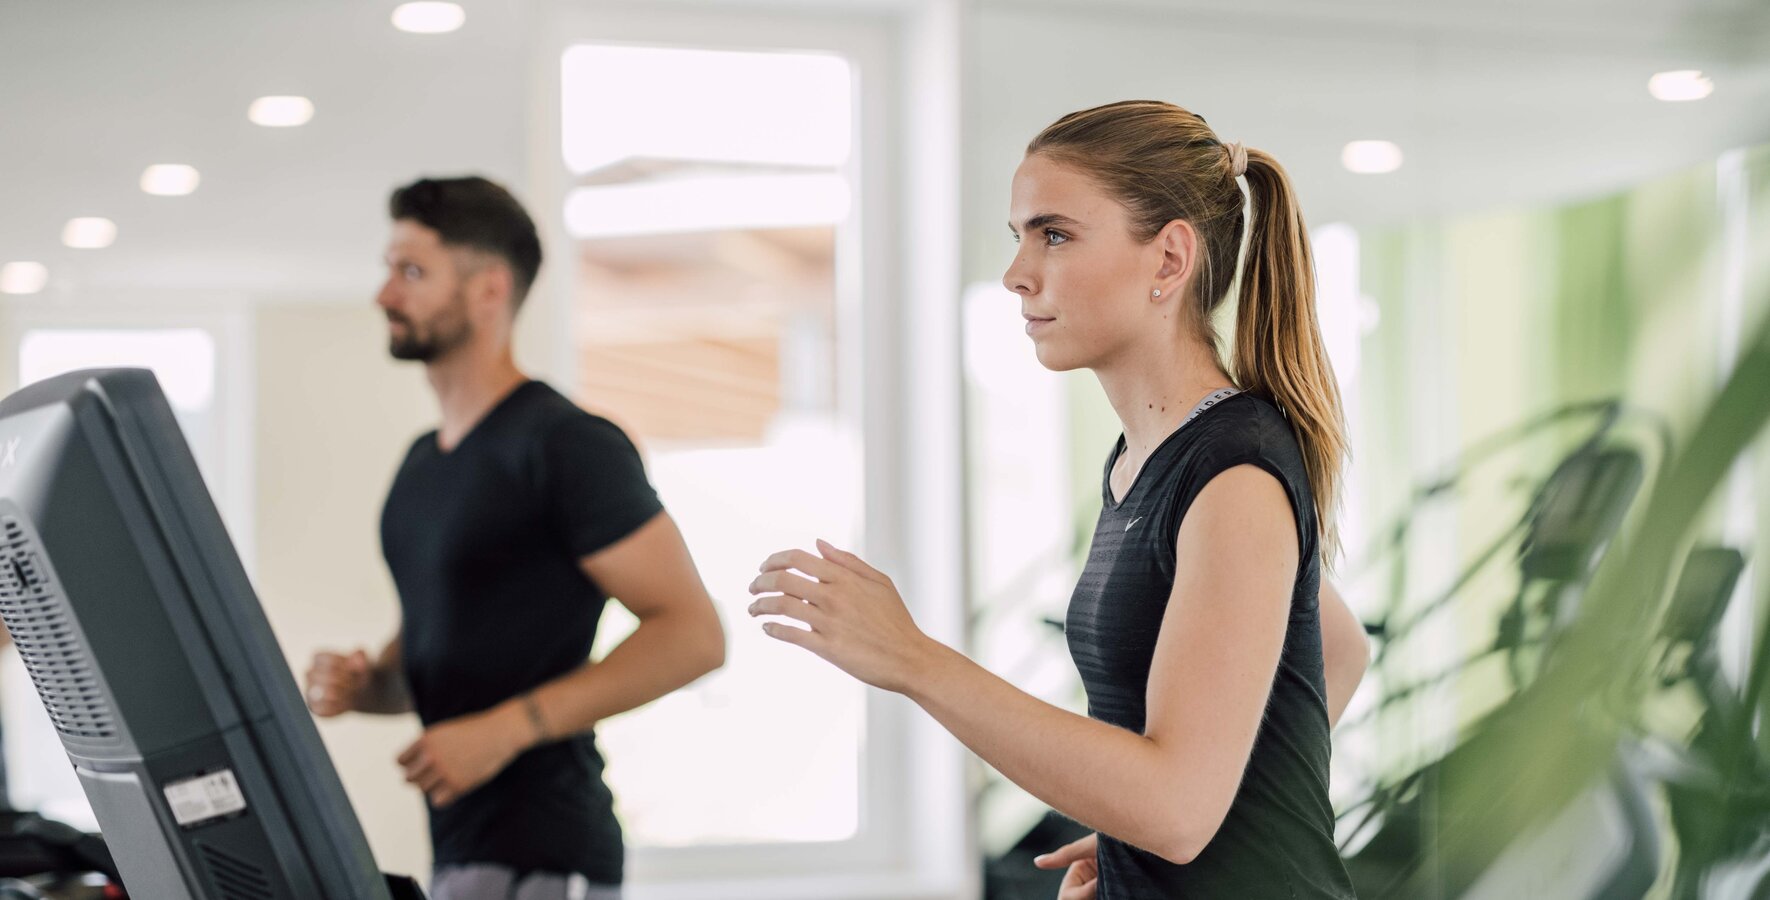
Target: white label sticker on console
{"x":205,"y":797}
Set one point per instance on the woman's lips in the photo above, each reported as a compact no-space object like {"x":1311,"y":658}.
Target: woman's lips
{"x":1034,"y":324}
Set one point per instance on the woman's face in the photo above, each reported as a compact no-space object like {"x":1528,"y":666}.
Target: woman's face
{"x":1085,"y":282}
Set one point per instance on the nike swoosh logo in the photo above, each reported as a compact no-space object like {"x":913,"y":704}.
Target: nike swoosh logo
{"x":1133,"y":522}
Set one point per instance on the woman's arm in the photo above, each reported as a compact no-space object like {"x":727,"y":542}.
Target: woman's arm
{"x":1345,"y":651}
{"x":1166,"y":790}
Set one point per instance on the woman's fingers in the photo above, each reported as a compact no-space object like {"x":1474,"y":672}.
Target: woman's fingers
{"x":1074,"y":851}
{"x":784,"y":582}
{"x":805,"y":561}
{"x":810,"y":640}
{"x":832,"y":566}
{"x":791,"y":607}
{"x":1081,"y":882}
{"x":851,"y":562}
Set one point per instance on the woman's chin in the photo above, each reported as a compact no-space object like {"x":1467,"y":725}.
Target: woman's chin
{"x":1054,"y":358}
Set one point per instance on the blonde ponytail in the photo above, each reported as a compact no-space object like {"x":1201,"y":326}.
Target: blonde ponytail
{"x":1279,"y":352}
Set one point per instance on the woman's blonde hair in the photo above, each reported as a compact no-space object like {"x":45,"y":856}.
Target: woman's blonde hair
{"x":1164,"y":163}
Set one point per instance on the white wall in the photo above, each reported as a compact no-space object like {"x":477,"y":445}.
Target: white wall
{"x":335,"y":416}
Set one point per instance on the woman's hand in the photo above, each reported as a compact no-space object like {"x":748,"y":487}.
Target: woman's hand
{"x":1081,"y":882}
{"x":857,"y":619}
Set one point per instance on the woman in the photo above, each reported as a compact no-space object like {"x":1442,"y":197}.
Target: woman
{"x":1196,"y":626}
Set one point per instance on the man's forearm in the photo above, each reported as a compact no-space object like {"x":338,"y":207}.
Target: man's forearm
{"x":663,"y":654}
{"x":386,"y":694}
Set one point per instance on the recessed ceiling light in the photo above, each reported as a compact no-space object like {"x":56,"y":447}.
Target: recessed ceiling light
{"x":1683,"y":84}
{"x":169,"y":180}
{"x":1371,"y":157}
{"x":89,"y":233}
{"x":23,"y":278}
{"x":429,"y":17}
{"x":280,"y":112}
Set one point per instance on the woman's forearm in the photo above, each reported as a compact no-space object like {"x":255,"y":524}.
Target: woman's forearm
{"x":1345,"y":651}
{"x":1124,"y":786}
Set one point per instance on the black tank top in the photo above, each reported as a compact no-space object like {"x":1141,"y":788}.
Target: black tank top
{"x":1277,"y":840}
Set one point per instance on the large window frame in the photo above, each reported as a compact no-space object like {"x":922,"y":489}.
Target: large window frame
{"x":897,"y":286}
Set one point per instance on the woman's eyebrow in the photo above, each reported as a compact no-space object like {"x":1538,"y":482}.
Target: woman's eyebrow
{"x":1043,"y":220}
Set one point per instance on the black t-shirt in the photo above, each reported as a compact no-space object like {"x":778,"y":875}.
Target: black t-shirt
{"x":1278,"y":838}
{"x":484,"y":543}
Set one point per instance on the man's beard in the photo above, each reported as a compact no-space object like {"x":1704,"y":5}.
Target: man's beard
{"x":447,"y":330}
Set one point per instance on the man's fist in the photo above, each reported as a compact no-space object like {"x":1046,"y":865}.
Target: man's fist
{"x":336,"y":682}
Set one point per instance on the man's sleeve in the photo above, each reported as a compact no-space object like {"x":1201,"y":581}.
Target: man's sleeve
{"x":595,"y":484}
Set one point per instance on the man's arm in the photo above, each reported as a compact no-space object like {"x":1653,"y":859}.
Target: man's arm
{"x":679,"y":639}
{"x":386,"y":692}
{"x":1345,"y":650}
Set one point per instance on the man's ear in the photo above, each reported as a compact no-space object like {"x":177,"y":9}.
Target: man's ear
{"x":490,"y":288}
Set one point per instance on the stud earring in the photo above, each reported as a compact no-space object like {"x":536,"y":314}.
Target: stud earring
{"x":1158,"y":292}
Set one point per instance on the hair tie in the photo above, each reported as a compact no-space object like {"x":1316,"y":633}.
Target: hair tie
{"x":1238,"y":159}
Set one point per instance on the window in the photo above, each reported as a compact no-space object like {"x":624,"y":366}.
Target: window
{"x":732,"y":191}
{"x":706,"y":324}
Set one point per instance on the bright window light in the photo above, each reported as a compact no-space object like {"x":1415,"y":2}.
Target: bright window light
{"x":169,"y":180}
{"x":789,"y":725}
{"x":706,"y":203}
{"x":280,"y":112}
{"x":1679,"y":86}
{"x":183,"y":359}
{"x":1335,"y":248}
{"x":704,"y":105}
{"x":89,"y":233}
{"x":23,"y":278}
{"x":429,"y":18}
{"x":1371,"y":157}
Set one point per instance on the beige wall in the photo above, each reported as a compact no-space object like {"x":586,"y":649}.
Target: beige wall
{"x":334,"y":417}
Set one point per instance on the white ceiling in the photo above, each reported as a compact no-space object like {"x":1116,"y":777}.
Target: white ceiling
{"x":1496,"y":103}
{"x":90,"y":94}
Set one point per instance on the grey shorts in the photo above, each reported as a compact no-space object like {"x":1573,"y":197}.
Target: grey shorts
{"x":491,"y":882}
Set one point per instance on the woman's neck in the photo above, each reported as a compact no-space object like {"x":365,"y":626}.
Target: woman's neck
{"x":1153,"y":392}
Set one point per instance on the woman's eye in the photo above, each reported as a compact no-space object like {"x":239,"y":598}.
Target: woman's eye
{"x":1053,"y":238}
{"x":413,"y":273}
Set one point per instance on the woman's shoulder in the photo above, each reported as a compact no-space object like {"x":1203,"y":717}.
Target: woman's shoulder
{"x":1247,"y":429}
{"x":1246,"y":424}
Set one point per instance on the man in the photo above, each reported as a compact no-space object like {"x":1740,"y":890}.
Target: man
{"x":506,"y":530}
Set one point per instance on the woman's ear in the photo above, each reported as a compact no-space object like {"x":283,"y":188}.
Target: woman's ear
{"x":1178,"y":243}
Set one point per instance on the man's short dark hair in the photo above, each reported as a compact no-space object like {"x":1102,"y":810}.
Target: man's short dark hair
{"x":478,"y":214}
